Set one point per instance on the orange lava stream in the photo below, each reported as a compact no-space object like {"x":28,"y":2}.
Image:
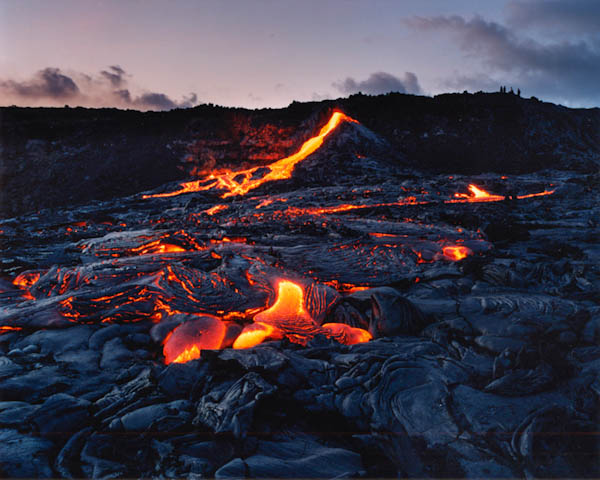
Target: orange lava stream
{"x":215,"y":209}
{"x":540,"y":194}
{"x":477,"y":195}
{"x":281,"y":169}
{"x":288,"y":306}
{"x":7,"y":328}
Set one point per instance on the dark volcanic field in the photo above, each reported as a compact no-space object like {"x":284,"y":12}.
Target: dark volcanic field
{"x":482,"y":366}
{"x":62,"y":157}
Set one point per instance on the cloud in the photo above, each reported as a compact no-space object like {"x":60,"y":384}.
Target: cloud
{"x":572,"y":15}
{"x":380,"y":82}
{"x":110,"y":88}
{"x":115,"y":75}
{"x":563,"y":70}
{"x":49,"y":82}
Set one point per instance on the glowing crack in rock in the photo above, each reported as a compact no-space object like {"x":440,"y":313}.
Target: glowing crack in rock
{"x":230,"y":180}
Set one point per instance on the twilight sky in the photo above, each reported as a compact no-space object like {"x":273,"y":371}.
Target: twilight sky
{"x":151,"y":54}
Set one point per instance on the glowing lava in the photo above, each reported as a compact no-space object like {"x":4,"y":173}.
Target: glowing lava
{"x":216,"y":209}
{"x":7,"y":328}
{"x":241,"y":182}
{"x":289,"y":306}
{"x":345,"y":333}
{"x":254,"y":334}
{"x":26,"y":279}
{"x":288,"y":317}
{"x":478,"y":195}
{"x":186,"y":341}
{"x":456,"y":253}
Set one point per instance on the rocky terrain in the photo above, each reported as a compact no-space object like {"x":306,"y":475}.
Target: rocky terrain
{"x":446,"y":251}
{"x":62,"y":157}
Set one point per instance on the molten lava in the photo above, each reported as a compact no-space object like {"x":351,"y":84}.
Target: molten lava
{"x":240,"y":182}
{"x":289,"y":306}
{"x":478,"y":195}
{"x":456,"y":253}
{"x":256,"y":333}
{"x":26,"y":279}
{"x":345,"y":333}
{"x":288,"y":317}
{"x":216,"y":209}
{"x":186,"y":342}
{"x":8,"y":328}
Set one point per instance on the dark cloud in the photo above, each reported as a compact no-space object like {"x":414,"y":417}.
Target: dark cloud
{"x":562,"y":15}
{"x":562,"y":70}
{"x":47,"y":83}
{"x":159,"y":101}
{"x":380,"y":82}
{"x":124,"y":95}
{"x":190,"y":101}
{"x":108,"y":89}
{"x":115,"y":75}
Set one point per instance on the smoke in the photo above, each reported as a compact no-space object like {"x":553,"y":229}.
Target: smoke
{"x":380,"y":82}
{"x":109,"y":88}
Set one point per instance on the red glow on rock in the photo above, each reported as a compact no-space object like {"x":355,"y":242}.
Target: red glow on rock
{"x":345,"y":333}
{"x":26,"y":279}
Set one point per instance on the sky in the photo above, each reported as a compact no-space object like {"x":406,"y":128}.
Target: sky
{"x":158,"y":55}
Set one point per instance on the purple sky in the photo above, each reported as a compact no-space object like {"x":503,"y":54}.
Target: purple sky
{"x":266,"y":53}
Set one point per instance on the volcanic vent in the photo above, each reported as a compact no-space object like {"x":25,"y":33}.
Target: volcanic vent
{"x":335,"y":311}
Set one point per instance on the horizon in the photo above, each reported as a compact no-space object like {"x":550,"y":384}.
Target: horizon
{"x":155,"y":55}
{"x":251,"y":109}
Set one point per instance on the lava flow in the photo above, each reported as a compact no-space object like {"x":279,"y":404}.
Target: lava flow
{"x":186,"y":341}
{"x":230,"y":181}
{"x":287,"y":317}
{"x":478,"y":195}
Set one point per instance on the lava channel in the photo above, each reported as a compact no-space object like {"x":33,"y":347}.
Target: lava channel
{"x":229,"y":180}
